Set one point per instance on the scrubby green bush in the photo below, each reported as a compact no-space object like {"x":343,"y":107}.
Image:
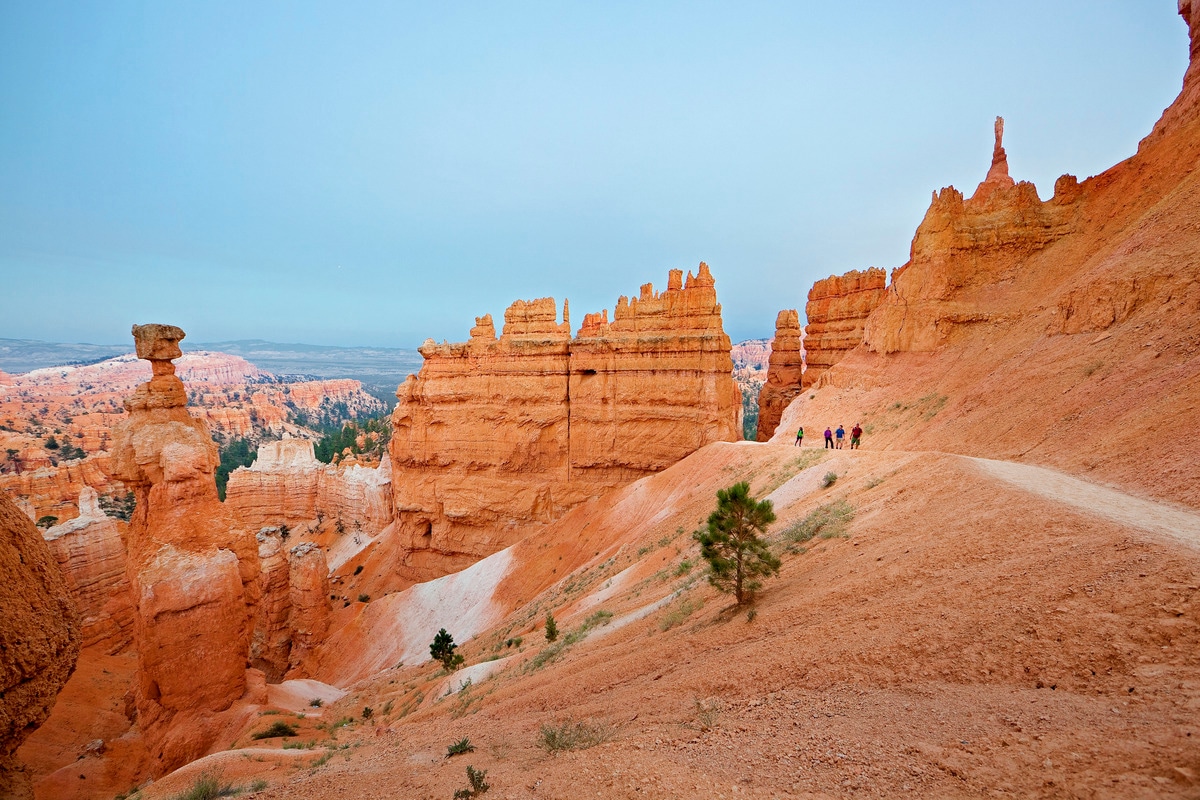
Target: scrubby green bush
{"x":277,"y":729}
{"x":475,"y":777}
{"x":573,"y":735}
{"x":826,"y":521}
{"x":208,"y":786}
{"x":463,"y":745}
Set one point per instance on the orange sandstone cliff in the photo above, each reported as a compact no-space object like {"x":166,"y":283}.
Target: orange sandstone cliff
{"x":653,"y":385}
{"x":194,"y":575}
{"x":964,"y":250}
{"x":496,"y":434}
{"x":287,"y":485}
{"x":39,"y":639}
{"x":293,"y":613}
{"x":785,"y":370}
{"x":837,"y":310}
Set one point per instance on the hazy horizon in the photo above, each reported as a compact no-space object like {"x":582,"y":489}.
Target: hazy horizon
{"x":375,"y":175}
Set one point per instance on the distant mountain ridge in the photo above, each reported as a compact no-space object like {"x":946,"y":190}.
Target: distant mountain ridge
{"x":378,"y":368}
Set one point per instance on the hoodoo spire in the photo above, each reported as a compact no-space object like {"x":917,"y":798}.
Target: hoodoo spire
{"x":997,"y":176}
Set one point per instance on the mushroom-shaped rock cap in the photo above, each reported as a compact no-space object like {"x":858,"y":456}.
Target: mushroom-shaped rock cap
{"x":156,"y":342}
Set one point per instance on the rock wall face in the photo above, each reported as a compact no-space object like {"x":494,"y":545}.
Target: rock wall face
{"x":837,"y":310}
{"x":652,"y":386}
{"x":194,"y":575}
{"x":287,"y":485}
{"x":308,"y":595}
{"x":293,"y":613}
{"x":480,"y":440}
{"x":39,"y":640}
{"x":785,"y":371}
{"x":53,"y":490}
{"x":91,"y":556}
{"x":496,"y":434}
{"x":271,"y":641}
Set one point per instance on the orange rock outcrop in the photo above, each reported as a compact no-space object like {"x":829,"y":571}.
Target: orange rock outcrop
{"x":964,"y":246}
{"x":287,"y":485}
{"x":91,"y":555}
{"x":496,"y":434}
{"x":837,"y":310}
{"x":308,"y":595}
{"x":784,"y":373}
{"x":194,"y":575}
{"x":293,"y":613}
{"x":653,"y":385}
{"x":39,"y":639}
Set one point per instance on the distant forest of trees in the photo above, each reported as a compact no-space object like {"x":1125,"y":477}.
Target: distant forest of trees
{"x":374,"y":432}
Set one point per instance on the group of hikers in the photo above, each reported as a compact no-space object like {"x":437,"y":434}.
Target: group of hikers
{"x":840,"y":436}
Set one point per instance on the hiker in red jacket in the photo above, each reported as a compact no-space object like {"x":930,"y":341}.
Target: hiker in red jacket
{"x":855,"y":436}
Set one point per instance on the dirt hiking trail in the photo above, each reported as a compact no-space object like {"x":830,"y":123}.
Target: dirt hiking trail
{"x":1113,"y":504}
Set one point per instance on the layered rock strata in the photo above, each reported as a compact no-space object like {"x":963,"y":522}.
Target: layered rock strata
{"x":39,"y":640}
{"x":496,"y":434}
{"x":194,"y":575}
{"x":287,"y":485}
{"x":785,"y":371}
{"x":91,"y":555}
{"x":308,"y":593}
{"x":652,"y":386}
{"x":837,"y":311}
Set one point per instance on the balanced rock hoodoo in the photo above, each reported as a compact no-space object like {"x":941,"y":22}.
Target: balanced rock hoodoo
{"x":194,"y":575}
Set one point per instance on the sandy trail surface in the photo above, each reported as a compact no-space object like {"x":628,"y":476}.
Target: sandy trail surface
{"x":1112,"y":504}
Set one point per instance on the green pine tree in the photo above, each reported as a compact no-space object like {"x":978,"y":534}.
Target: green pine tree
{"x":442,"y":649}
{"x":736,"y":557}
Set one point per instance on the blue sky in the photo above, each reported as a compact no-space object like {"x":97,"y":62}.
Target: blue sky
{"x":375,"y":173}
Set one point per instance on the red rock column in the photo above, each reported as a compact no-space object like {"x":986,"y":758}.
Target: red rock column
{"x":784,"y":372}
{"x":271,"y":643}
{"x":309,"y":596}
{"x":193,"y":575}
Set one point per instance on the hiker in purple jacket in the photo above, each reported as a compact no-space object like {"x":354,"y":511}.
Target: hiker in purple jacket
{"x":829,"y":438}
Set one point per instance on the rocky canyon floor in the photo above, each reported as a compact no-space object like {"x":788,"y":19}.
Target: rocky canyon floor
{"x":958,"y":627}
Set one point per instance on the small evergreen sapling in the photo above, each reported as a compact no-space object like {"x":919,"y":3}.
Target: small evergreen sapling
{"x":736,"y":557}
{"x":551,"y":627}
{"x":442,"y":649}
